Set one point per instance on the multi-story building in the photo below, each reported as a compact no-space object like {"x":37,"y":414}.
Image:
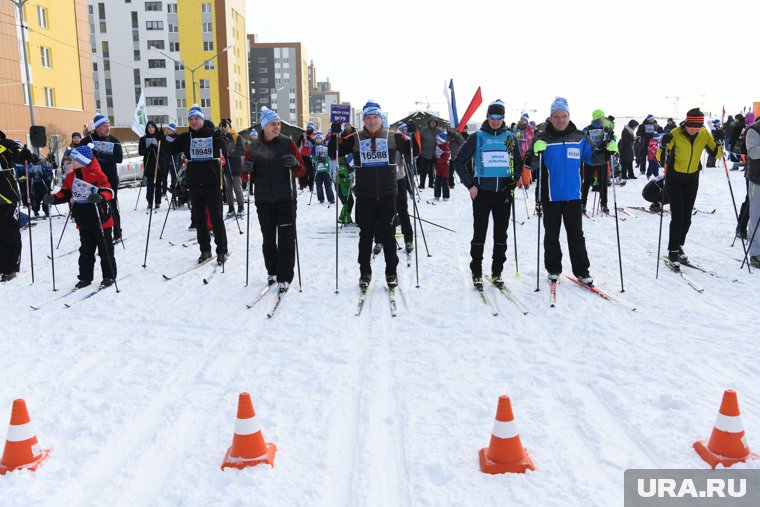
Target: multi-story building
{"x":321,"y":97}
{"x":279,"y":79}
{"x":57,"y":41}
{"x":181,"y":52}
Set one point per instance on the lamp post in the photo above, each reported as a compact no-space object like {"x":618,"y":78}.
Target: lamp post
{"x":192,"y":71}
{"x":246,"y":98}
{"x":20,"y":6}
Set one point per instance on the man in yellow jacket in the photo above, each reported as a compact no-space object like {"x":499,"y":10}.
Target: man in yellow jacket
{"x":684,"y":145}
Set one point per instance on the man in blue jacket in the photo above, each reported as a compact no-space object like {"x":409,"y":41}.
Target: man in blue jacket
{"x":562,"y":147}
{"x":496,"y":159}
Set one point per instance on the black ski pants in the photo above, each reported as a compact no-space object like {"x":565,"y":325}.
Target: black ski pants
{"x":485,"y":205}
{"x":278,"y":232}
{"x":89,"y":241}
{"x":10,"y":239}
{"x":426,"y":167}
{"x":202,"y":197}
{"x":588,"y":180}
{"x":375,"y":219}
{"x":682,"y":194}
{"x":568,"y":212}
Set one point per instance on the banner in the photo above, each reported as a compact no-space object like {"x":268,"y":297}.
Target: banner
{"x":453,"y":115}
{"x":475,"y":103}
{"x":139,"y":120}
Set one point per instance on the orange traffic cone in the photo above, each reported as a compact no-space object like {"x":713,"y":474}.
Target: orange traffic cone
{"x":505,"y":453}
{"x":728,"y":444}
{"x":22,"y":450}
{"x":248,"y":446}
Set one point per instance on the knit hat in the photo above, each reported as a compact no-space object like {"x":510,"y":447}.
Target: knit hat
{"x":695,"y":118}
{"x":650,"y":117}
{"x":310,"y":125}
{"x":195,"y":111}
{"x":82,"y":154}
{"x":716,"y":121}
{"x":559,"y":104}
{"x":254,"y":133}
{"x":524,"y":117}
{"x":750,"y":118}
{"x":401,"y":127}
{"x":172,"y":127}
{"x":319,"y":135}
{"x":496,"y":107}
{"x":633,"y":124}
{"x":267,"y":115}
{"x":598,"y":113}
{"x":76,"y":134}
{"x":371,"y":107}
{"x":441,"y":138}
{"x":100,"y":120}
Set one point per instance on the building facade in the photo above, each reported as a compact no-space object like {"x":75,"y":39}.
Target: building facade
{"x":59,"y":65}
{"x":176,"y":53}
{"x":278,"y":74}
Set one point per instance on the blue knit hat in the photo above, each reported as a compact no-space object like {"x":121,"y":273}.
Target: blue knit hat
{"x":310,"y":125}
{"x":650,"y":117}
{"x":172,"y":126}
{"x":195,"y":111}
{"x":441,"y":138}
{"x":560,"y":104}
{"x":716,"y":121}
{"x":100,"y":120}
{"x":319,"y":135}
{"x":371,"y":107}
{"x":82,"y":154}
{"x":525,"y":117}
{"x":267,"y":115}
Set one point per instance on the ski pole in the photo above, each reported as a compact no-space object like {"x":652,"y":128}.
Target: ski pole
{"x":52,"y":252}
{"x":736,"y":212}
{"x":64,"y":228}
{"x":409,"y":179}
{"x":295,"y":230}
{"x":335,"y":183}
{"x":172,"y":203}
{"x":659,"y":237}
{"x":617,"y":230}
{"x":514,"y":232}
{"x":540,"y":216}
{"x":433,"y":223}
{"x":751,"y":241}
{"x":107,"y":250}
{"x":232,"y":195}
{"x":150,"y":203}
{"x":29,"y":217}
{"x":139,"y":191}
{"x":248,"y":225}
{"x":525,"y":193}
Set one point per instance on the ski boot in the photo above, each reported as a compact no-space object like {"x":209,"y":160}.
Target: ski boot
{"x":283,"y":287}
{"x":81,"y":284}
{"x":675,"y":259}
{"x":365,"y":280}
{"x":271,"y":279}
{"x":586,"y":279}
{"x":230,"y":213}
{"x":554,"y":277}
{"x":392,"y":281}
{"x":682,"y":258}
{"x":222,"y":258}
{"x":409,"y":247}
{"x":7,"y":277}
{"x":754,"y":261}
{"x":498,"y":281}
{"x":477,"y":281}
{"x":107,"y":282}
{"x":204,"y":257}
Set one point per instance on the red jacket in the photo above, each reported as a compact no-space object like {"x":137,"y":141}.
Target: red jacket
{"x":442,"y":155}
{"x":84,"y":213}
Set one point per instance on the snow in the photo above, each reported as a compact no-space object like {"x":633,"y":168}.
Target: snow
{"x":136,"y":392}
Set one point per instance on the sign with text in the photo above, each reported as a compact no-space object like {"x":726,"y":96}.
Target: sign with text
{"x":687,"y":488}
{"x":340,"y":112}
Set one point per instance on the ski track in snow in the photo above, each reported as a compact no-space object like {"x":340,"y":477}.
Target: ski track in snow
{"x":136,"y":392}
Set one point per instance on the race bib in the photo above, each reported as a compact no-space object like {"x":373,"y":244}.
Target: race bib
{"x":649,"y":129}
{"x":596,"y":135}
{"x":151,"y":141}
{"x":574,"y":153}
{"x":201,"y":148}
{"x":80,"y":189}
{"x":321,"y":151}
{"x":103,"y":147}
{"x":374,"y":158}
{"x":495,"y":159}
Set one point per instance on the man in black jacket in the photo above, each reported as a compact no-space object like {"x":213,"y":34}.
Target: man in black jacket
{"x":10,"y":234}
{"x":153,"y":163}
{"x":233,"y":184}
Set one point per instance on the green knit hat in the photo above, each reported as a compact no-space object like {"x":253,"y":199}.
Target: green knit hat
{"x":598,"y":113}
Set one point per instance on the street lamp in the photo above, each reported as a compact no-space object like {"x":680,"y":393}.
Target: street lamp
{"x":20,"y":5}
{"x":192,"y":71}
{"x":246,"y":98}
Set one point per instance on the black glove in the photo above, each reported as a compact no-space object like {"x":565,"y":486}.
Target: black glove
{"x":95,"y":198}
{"x":719,"y":136}
{"x":48,"y":199}
{"x":248,"y":166}
{"x":335,"y":128}
{"x":667,"y":138}
{"x":290,"y":161}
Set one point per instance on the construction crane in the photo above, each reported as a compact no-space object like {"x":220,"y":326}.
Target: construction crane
{"x":427,"y":104}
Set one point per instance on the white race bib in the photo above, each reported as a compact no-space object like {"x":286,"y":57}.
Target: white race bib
{"x":201,"y":148}
{"x":574,"y":153}
{"x":377,"y":157}
{"x":80,"y":189}
{"x":103,"y":147}
{"x":495,"y":159}
{"x":150,"y":141}
{"x":596,"y":135}
{"x":649,"y":129}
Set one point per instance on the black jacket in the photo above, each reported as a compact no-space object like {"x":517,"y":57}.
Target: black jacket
{"x":108,"y":152}
{"x":626,"y":145}
{"x":200,"y":173}
{"x":271,"y":179}
{"x":375,"y":182}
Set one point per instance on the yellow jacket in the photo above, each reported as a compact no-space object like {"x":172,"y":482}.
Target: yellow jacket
{"x":685,"y":151}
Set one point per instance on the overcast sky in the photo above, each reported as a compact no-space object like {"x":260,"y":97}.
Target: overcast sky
{"x":623,"y":57}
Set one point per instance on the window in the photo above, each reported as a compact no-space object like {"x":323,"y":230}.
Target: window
{"x":178,"y":66}
{"x":181,"y":121}
{"x":173,"y":28}
{"x":45,"y":54}
{"x":134,"y":20}
{"x":42,"y":16}
{"x":94,"y":66}
{"x":204,"y":83}
{"x":49,"y":97}
{"x":171,"y":8}
{"x":153,"y":6}
{"x":156,"y":101}
{"x":158,"y":44}
{"x":136,"y":55}
{"x":106,"y":53}
{"x":206,"y":7}
{"x":136,"y":36}
{"x":179,"y":84}
{"x":261,"y":59}
{"x":160,"y":119}
{"x":154,"y":25}
{"x":205,"y":102}
{"x":156,"y":64}
{"x":174,"y":46}
{"x":106,"y":65}
{"x":89,"y":10}
{"x":97,"y":105}
{"x":263,"y":80}
{"x":181,"y":103}
{"x":207,"y":27}
{"x":209,"y":65}
{"x":138,"y":92}
{"x":103,"y":28}
{"x":155,"y":82}
{"x":109,"y":90}
{"x":208,"y":46}
{"x":101,"y":11}
{"x":109,"y":103}
{"x":136,"y":73}
{"x":263,"y":90}
{"x":262,"y":70}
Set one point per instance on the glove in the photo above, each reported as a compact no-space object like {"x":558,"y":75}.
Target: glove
{"x":290,"y":161}
{"x":95,"y":198}
{"x":667,"y":138}
{"x":48,"y":199}
{"x":539,"y":146}
{"x":248,"y":166}
{"x":612,"y":146}
{"x":719,"y":136}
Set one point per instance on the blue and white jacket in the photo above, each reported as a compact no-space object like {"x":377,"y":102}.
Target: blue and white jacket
{"x":561,"y":169}
{"x":495,"y":158}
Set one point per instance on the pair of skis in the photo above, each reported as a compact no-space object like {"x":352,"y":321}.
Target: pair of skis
{"x":594,"y":290}
{"x":263,"y":292}
{"x":68,"y":303}
{"x":694,"y":285}
{"x":391,"y":300}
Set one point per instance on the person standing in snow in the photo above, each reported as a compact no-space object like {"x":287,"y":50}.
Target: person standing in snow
{"x":496,"y":159}
{"x":10,"y":234}
{"x":626,"y":149}
{"x":752,"y":144}
{"x":644,"y":134}
{"x":684,"y":145}
{"x":320,"y":161}
{"x":598,"y":135}
{"x":152,"y":162}
{"x":442,"y":155}
{"x":306,"y":144}
{"x":272,"y":160}
{"x":425,"y":162}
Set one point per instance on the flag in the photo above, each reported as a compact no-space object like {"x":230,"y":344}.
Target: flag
{"x":448,"y":103}
{"x":139,"y":120}
{"x":723,"y":116}
{"x":475,"y":103}
{"x":454,"y":118}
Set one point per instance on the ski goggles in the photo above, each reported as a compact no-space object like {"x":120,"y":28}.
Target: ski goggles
{"x":495,"y":116}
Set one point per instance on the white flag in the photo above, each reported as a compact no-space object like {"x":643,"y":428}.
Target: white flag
{"x":139,"y":120}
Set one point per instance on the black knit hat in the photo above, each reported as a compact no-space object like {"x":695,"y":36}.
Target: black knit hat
{"x":496,"y":107}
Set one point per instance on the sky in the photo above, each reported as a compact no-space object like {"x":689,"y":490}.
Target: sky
{"x":626,"y":58}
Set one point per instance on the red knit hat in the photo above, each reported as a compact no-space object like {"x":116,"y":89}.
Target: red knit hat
{"x":695,"y":118}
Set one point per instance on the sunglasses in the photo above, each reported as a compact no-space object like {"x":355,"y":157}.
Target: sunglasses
{"x":495,"y":116}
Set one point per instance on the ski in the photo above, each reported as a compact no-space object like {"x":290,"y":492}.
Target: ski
{"x":260,"y":295}
{"x":511,"y":297}
{"x":92,"y":293}
{"x":647,"y":210}
{"x":599,"y":292}
{"x":623,"y":210}
{"x":688,"y":280}
{"x":187,"y":270}
{"x":57,"y":298}
{"x":362,"y":299}
{"x":211,"y":274}
{"x":695,"y":211}
{"x":392,"y":300}
{"x":553,"y":293}
{"x":691,"y":265}
{"x":276,"y":304}
{"x":487,"y":301}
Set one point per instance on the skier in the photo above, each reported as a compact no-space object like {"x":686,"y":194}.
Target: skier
{"x":598,"y":137}
{"x":442,"y":155}
{"x":425,"y":164}
{"x":753,"y":177}
{"x":718,"y":135}
{"x":654,"y":192}
{"x":525,"y":133}
{"x":270,"y":159}
{"x":233,"y":184}
{"x":41,"y":177}
{"x":564,"y":147}
{"x":10,"y":234}
{"x":87,"y":187}
{"x":341,"y":146}
{"x":306,"y":143}
{"x":626,"y":149}
{"x":685,"y":145}
{"x":202,"y":147}
{"x":108,"y":151}
{"x":644,"y":133}
{"x":152,"y":162}
{"x":496,"y":158}
{"x":320,"y":161}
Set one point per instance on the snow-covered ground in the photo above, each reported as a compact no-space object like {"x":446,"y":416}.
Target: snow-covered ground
{"x":136,"y":392}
